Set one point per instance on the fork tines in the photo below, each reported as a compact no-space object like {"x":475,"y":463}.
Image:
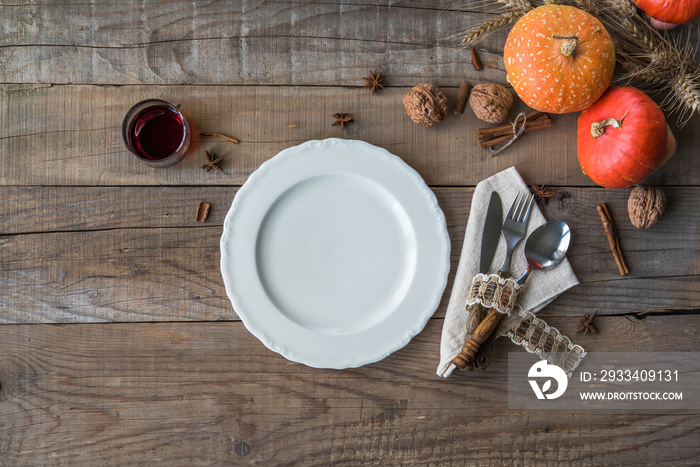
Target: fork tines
{"x":520,"y":209}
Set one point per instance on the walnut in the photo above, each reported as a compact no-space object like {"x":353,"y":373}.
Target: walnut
{"x":645,"y":206}
{"x":491,"y":102}
{"x":425,"y":104}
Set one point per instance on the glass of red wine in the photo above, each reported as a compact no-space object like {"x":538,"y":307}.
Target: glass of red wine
{"x":156,"y":133}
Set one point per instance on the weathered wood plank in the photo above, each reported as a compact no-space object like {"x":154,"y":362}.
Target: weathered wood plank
{"x":252,"y":42}
{"x":114,"y":275}
{"x":79,"y":254}
{"x":71,"y":135}
{"x":36,"y":209}
{"x":189,"y":394}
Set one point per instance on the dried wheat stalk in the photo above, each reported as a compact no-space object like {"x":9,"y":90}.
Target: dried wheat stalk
{"x":621,"y":19}
{"x":471,"y":36}
{"x":510,"y":12}
{"x":588,"y":6}
{"x":686,"y":96}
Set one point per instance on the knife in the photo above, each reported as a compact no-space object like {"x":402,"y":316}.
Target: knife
{"x":492,"y":232}
{"x":489,"y":241}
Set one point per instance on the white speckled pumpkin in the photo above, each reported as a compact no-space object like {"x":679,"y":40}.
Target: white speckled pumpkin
{"x":559,"y":59}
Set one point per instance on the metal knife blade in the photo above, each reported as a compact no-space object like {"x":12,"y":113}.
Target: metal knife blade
{"x":492,"y":232}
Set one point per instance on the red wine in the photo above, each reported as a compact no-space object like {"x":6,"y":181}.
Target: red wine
{"x":156,"y":133}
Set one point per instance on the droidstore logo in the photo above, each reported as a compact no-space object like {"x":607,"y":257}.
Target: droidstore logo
{"x":541,"y":370}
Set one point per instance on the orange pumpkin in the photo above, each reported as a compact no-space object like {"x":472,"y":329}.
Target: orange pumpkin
{"x":674,"y":12}
{"x":623,"y":138}
{"x":559,"y":59}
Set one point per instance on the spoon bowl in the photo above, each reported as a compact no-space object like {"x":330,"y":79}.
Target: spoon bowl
{"x":546,"y":247}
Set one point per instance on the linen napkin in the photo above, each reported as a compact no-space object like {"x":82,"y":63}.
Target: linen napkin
{"x":542,"y":286}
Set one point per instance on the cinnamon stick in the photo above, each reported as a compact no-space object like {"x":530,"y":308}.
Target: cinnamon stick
{"x":202,"y":211}
{"x":220,"y":135}
{"x":613,"y":240}
{"x":507,"y":128}
{"x":528,"y":128}
{"x":476,"y":61}
{"x":485,"y":133}
{"x":462,"y":96}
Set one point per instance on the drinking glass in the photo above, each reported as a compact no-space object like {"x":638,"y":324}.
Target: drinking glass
{"x":156,"y":133}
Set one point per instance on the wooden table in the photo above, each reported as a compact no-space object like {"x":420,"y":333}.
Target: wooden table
{"x":118,"y":344}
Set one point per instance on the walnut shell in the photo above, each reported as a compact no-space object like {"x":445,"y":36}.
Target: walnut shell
{"x":645,"y":205}
{"x":490,"y":102}
{"x":425,"y":104}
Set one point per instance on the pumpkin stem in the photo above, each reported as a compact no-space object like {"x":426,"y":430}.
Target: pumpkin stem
{"x":568,"y":47}
{"x":598,"y":128}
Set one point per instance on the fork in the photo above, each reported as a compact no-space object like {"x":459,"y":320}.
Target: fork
{"x":513,"y":231}
{"x":514,"y":228}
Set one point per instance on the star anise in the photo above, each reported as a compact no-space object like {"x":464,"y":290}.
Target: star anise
{"x":542,"y":192}
{"x":587,"y":325}
{"x":373,"y":82}
{"x":341,"y":119}
{"x":212,"y":162}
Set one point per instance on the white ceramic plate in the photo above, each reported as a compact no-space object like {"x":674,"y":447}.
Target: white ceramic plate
{"x":335,"y":253}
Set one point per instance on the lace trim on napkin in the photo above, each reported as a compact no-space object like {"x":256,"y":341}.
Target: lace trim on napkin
{"x":521,"y":326}
{"x":532,"y":333}
{"x":493,"y":291}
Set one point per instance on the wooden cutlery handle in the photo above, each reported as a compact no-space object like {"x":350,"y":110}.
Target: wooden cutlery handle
{"x":474,"y":320}
{"x":471,"y":347}
{"x":475,"y":313}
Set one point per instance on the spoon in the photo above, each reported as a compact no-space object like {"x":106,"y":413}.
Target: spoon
{"x":546,"y":247}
